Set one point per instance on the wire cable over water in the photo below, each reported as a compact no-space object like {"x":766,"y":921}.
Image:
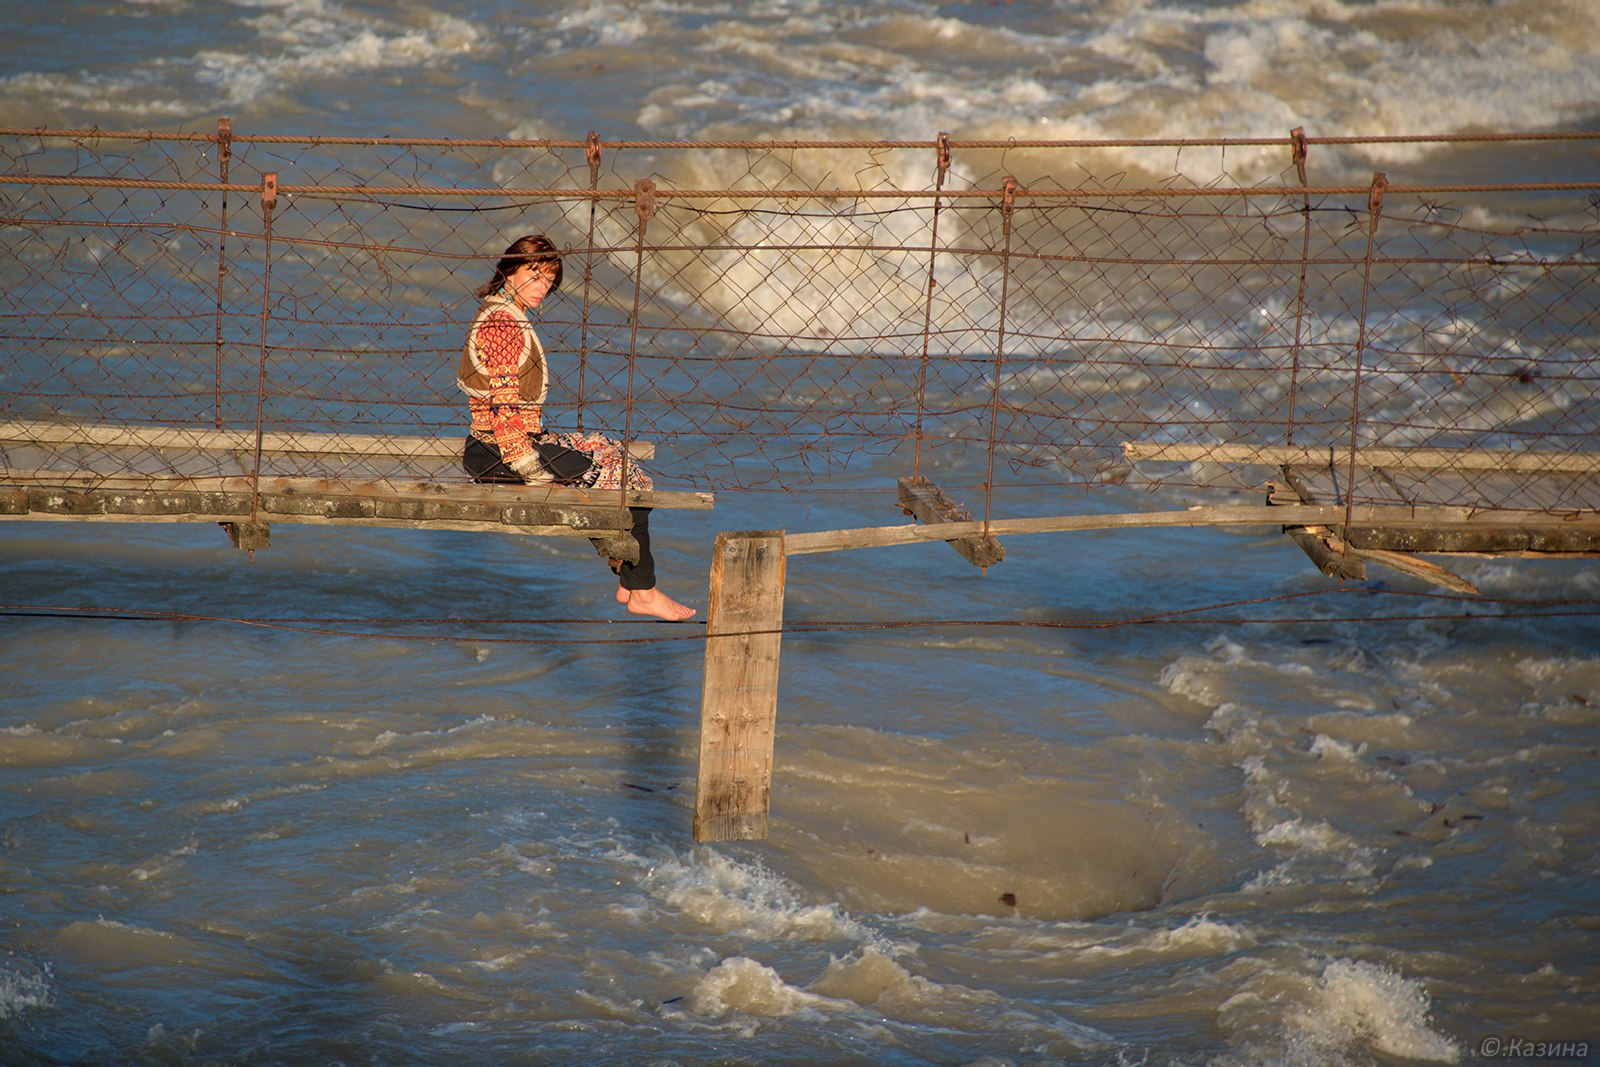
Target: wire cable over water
{"x":1194,"y":616}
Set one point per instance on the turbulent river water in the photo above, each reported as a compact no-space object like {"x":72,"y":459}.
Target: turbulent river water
{"x":1164,"y":797}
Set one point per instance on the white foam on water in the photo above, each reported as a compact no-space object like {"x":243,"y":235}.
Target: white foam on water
{"x":1171,"y":70}
{"x":746,"y":899}
{"x":902,"y":71}
{"x":1371,"y":1003}
{"x":603,"y":22}
{"x":1342,"y":1015}
{"x":875,"y":990}
{"x":1199,"y":936}
{"x":275,"y":46}
{"x":740,"y":984}
{"x":1368,"y":1004}
{"x":23,"y":988}
{"x":872,"y":977}
{"x":301,"y":39}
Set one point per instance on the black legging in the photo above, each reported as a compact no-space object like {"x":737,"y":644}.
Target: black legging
{"x":567,"y":466}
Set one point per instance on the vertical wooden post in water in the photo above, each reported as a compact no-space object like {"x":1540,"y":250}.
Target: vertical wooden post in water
{"x":739,"y":700}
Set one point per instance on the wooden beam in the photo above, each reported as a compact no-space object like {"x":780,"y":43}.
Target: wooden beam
{"x":527,"y":510}
{"x":929,"y":505}
{"x":1326,"y":550}
{"x":248,"y":536}
{"x":462,"y":492}
{"x":1229,"y":515}
{"x":210,"y":439}
{"x":1418,"y":568}
{"x":739,"y":698}
{"x":1524,"y":462}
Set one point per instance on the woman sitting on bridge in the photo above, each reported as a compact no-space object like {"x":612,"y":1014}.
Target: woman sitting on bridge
{"x":505,"y":376}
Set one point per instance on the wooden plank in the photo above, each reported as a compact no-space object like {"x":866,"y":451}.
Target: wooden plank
{"x":1523,"y":462}
{"x":1510,"y":539}
{"x":222,"y":518}
{"x":1325,"y":549}
{"x":929,"y":505}
{"x":248,"y":536}
{"x":1230,"y":515}
{"x":295,"y":507}
{"x":1493,"y":489}
{"x":1541,"y":499}
{"x":229,"y":501}
{"x":739,"y":697}
{"x":1490,"y":533}
{"x":462,"y":491}
{"x":1419,"y":568}
{"x":207,"y":438}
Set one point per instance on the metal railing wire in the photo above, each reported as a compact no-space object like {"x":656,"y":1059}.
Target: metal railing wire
{"x":769,"y":312}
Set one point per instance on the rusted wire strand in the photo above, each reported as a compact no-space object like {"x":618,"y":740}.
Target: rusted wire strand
{"x":1532,"y":610}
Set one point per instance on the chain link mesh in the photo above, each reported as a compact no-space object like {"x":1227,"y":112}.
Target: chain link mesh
{"x":768,"y":314}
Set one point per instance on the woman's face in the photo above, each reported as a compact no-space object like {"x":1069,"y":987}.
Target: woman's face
{"x":531,"y":283}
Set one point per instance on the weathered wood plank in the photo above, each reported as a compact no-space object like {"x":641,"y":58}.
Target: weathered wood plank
{"x":378,"y":522}
{"x":246,"y":515}
{"x":1496,"y":489}
{"x":1520,"y":462}
{"x":739,"y":698}
{"x":1485,"y":533}
{"x":1418,"y":568}
{"x":463,"y":491}
{"x":1493,"y":540}
{"x":248,"y":536}
{"x":1230,"y":515}
{"x":206,"y":438}
{"x":1325,"y":550}
{"x":930,"y":506}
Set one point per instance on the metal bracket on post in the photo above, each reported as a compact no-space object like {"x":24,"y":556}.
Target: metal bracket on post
{"x":644,"y":201}
{"x":943,"y":157}
{"x":592,"y":153}
{"x":1008,"y":198}
{"x":1297,"y":143}
{"x":269,"y":191}
{"x":1380,"y":182}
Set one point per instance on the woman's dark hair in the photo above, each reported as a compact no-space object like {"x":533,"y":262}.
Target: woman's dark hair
{"x":534,"y":248}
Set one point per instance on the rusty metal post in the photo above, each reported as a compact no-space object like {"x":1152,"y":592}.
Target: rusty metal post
{"x":644,"y":201}
{"x":942,"y":168}
{"x":1297,"y":138}
{"x":1008,"y":205}
{"x":269,"y":201}
{"x":1380,"y":181}
{"x":224,"y":160}
{"x":592,"y":152}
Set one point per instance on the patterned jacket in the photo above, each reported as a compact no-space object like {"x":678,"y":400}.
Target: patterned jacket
{"x":506,"y":378}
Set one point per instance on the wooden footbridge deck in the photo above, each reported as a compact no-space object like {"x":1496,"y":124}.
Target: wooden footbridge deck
{"x":246,"y":481}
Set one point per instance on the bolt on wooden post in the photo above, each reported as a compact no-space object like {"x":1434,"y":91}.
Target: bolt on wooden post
{"x":739,"y":698}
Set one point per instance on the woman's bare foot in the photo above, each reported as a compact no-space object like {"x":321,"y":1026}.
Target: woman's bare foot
{"x":653,"y":601}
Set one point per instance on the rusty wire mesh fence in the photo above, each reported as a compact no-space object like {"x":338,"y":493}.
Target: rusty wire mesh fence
{"x":769,"y":314}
